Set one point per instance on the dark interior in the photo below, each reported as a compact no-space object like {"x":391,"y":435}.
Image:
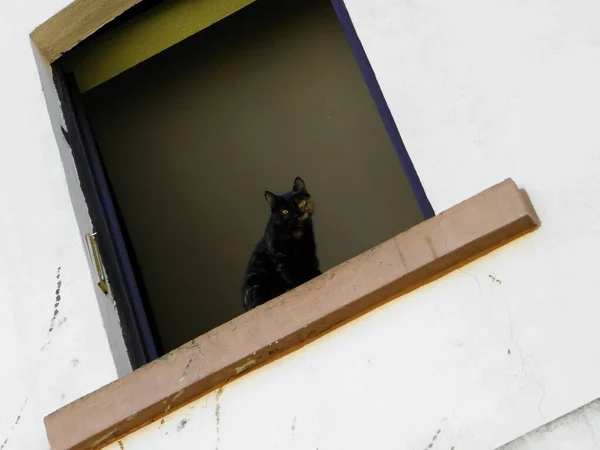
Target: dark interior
{"x":192,"y":137}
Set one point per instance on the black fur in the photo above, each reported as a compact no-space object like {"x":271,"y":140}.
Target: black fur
{"x":286,"y":256}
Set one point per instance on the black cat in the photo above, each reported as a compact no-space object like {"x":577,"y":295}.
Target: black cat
{"x":286,"y":256}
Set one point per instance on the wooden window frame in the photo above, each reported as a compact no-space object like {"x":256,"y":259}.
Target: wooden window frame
{"x":118,"y":256}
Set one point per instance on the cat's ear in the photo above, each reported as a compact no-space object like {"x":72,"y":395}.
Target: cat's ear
{"x":299,"y":186}
{"x":271,"y":199}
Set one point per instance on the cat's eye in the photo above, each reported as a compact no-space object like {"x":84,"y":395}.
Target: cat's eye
{"x":284,"y":211}
{"x":301,"y":204}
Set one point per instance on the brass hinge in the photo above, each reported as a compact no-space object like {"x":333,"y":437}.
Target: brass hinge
{"x":94,"y":252}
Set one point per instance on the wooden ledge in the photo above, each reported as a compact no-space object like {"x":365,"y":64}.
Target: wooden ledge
{"x":417,"y":256}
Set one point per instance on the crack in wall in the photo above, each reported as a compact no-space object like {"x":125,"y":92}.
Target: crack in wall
{"x":520,"y":350}
{"x":590,"y":429}
{"x":184,"y":374}
{"x":476,"y":278}
{"x":464,"y":272}
{"x":56,"y":311}
{"x":445,"y":239}
{"x":218,"y":415}
{"x":400,"y":255}
{"x":201,"y":365}
{"x":433,"y":439}
{"x":14,"y":425}
{"x":522,"y":357}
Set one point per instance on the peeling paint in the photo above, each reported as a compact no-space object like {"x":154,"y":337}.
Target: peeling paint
{"x":167,"y":357}
{"x":245,"y":367}
{"x":179,"y":394}
{"x":104,"y":437}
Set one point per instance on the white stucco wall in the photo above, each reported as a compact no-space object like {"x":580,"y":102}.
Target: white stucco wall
{"x":42,"y":370}
{"x":480,"y":91}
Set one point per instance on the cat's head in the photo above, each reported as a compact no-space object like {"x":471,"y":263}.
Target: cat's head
{"x":293,"y":209}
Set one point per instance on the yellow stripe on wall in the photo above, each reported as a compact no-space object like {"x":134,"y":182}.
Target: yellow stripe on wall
{"x":107,"y":55}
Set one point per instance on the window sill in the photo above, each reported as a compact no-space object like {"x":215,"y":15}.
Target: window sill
{"x":422,"y":254}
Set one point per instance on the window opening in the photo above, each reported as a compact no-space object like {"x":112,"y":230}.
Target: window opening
{"x":189,"y":140}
